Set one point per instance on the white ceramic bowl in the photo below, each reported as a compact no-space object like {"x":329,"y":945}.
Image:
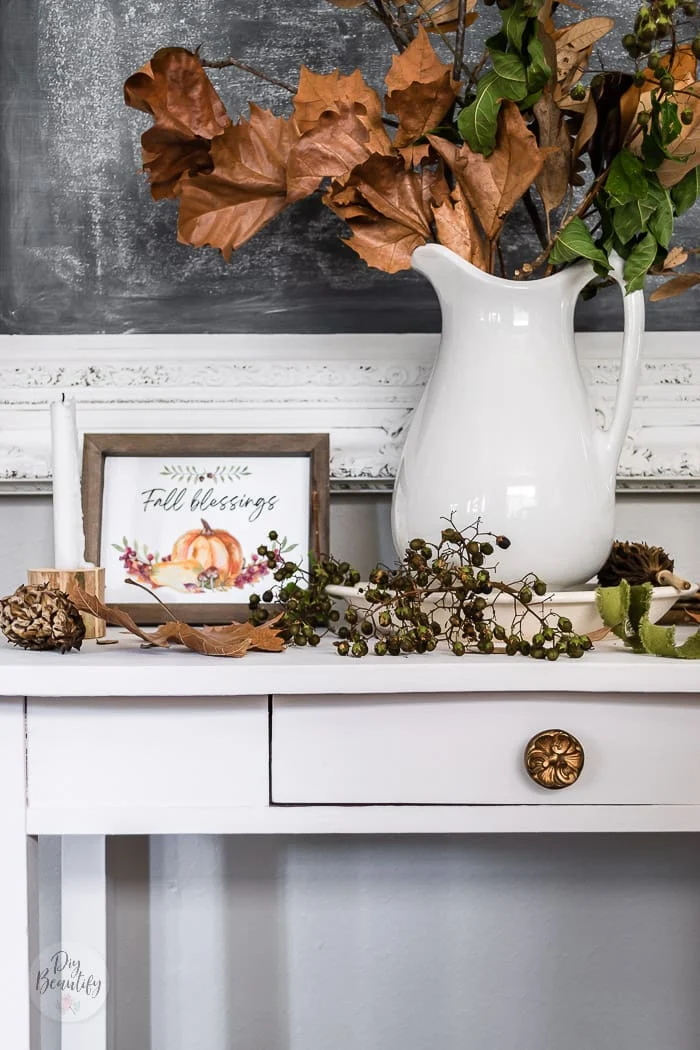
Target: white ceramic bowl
{"x":578,"y":606}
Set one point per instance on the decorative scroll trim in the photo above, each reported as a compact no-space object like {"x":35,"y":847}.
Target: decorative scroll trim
{"x":361,"y":389}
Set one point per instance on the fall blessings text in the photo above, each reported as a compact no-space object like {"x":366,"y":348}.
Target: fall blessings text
{"x":203,"y":500}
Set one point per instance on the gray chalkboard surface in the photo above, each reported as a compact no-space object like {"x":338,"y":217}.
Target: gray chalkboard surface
{"x":83,"y":248}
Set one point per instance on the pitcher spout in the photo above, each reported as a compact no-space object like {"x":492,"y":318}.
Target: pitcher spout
{"x":445,"y":270}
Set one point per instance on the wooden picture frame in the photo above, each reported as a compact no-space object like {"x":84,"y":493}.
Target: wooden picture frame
{"x":300,"y":455}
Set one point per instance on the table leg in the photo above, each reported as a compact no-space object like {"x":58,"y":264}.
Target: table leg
{"x":14,"y":932}
{"x":84,"y":937}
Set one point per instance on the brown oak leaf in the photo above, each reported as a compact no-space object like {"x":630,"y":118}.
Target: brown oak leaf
{"x":233,"y":639}
{"x":246,"y":188}
{"x":553,"y":134}
{"x":337,"y":144}
{"x":320,"y":93}
{"x":457,"y":229}
{"x":388,"y":209}
{"x":420,"y":90}
{"x":230,"y":640}
{"x":90,"y":603}
{"x":188,"y":114}
{"x":493,"y":185}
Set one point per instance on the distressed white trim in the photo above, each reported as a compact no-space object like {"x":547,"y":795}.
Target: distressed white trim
{"x":360,"y":388}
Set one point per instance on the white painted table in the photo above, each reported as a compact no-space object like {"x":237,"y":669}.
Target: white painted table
{"x":116,"y":740}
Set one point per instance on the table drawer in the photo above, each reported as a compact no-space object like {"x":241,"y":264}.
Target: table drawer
{"x":90,"y":754}
{"x":468,"y":749}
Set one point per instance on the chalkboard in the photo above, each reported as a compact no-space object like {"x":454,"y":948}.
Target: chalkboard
{"x":83,"y":248}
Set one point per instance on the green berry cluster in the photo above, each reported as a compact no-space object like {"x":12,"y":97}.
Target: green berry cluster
{"x":300,"y":597}
{"x":659,"y":20}
{"x":439,"y":592}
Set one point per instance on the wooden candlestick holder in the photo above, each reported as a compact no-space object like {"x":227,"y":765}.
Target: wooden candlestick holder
{"x":92,"y":581}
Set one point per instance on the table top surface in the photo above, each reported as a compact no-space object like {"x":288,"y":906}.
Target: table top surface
{"x":126,"y":669}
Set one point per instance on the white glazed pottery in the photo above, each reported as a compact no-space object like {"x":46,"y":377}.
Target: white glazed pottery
{"x":578,"y":606}
{"x":505,"y":431}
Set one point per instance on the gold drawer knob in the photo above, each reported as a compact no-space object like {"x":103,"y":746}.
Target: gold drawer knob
{"x":554,"y":759}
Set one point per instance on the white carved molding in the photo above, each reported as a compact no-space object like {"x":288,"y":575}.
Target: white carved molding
{"x":360,"y":389}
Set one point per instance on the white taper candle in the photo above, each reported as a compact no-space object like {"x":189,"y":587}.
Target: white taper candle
{"x":69,"y":540}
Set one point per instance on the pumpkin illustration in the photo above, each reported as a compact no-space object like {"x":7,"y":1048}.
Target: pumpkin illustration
{"x":214,"y":549}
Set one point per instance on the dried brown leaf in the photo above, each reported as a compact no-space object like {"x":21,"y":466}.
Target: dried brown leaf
{"x":574,"y":45}
{"x":338,"y":143}
{"x":599,"y":634}
{"x":588,"y":126}
{"x":234,"y":639}
{"x":457,"y":229}
{"x":494,"y":184}
{"x":687,"y":145}
{"x":676,"y":286}
{"x":553,"y":134}
{"x":414,"y":156}
{"x":167,"y":155}
{"x":89,"y":603}
{"x":246,"y":188}
{"x":188,"y":114}
{"x":442,"y":16}
{"x":675,"y":257}
{"x":420,"y":89}
{"x":231,"y":640}
{"x":320,"y":93}
{"x":388,"y":209}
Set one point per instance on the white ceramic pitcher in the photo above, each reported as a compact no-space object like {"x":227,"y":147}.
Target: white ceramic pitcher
{"x":505,"y":431}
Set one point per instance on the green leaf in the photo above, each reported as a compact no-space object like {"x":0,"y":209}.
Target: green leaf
{"x":125,"y":541}
{"x":478,"y":122}
{"x":117,"y":547}
{"x":686,"y":192}
{"x":669,"y":122}
{"x":514,"y":24}
{"x":626,"y":180}
{"x":539,"y":72}
{"x":661,"y":222}
{"x":511,"y":70}
{"x":575,"y":242}
{"x":629,"y":220}
{"x":638,"y":262}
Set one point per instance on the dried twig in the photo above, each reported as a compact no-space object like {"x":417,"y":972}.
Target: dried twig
{"x":530,"y":268}
{"x":383,"y":12}
{"x":535,"y":218}
{"x":459,"y":40}
{"x":222,"y":63}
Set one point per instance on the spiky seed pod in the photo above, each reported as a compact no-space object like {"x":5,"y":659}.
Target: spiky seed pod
{"x":635,"y":562}
{"x":41,"y":618}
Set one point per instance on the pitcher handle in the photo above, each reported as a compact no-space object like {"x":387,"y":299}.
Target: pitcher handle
{"x":612,"y":439}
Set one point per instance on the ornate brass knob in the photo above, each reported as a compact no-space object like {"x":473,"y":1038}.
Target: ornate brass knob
{"x":554,"y":759}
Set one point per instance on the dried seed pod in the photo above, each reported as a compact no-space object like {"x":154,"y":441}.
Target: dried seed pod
{"x":635,"y":562}
{"x":41,"y":618}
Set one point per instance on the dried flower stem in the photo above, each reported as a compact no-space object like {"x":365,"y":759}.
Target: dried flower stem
{"x":222,"y":63}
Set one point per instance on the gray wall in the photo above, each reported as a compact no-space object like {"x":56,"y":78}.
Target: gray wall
{"x":386,"y":944}
{"x":84,"y":249}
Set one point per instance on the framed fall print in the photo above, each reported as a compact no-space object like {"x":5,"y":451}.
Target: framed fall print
{"x":184,"y":514}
